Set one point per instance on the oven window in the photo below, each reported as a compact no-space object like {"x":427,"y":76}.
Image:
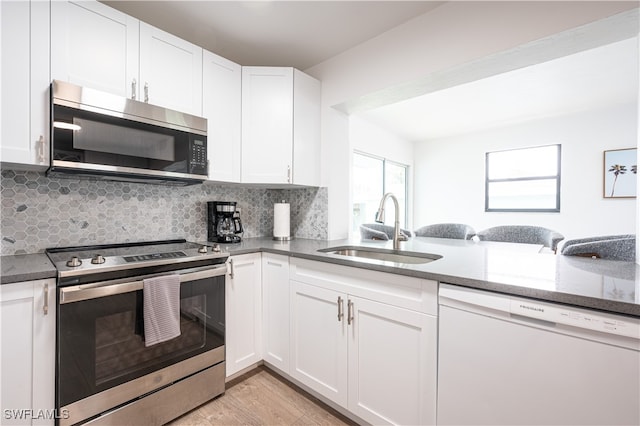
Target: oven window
{"x":101,"y":341}
{"x":119,"y":342}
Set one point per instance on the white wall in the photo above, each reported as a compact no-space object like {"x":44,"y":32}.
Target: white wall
{"x":373,"y":139}
{"x":452,"y":34}
{"x":450,"y":174}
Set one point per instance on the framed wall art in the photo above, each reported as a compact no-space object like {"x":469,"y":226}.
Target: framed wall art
{"x":620,"y":173}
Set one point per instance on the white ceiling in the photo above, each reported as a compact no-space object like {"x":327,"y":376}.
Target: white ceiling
{"x":275,"y":33}
{"x":304,"y":33}
{"x":595,"y":78}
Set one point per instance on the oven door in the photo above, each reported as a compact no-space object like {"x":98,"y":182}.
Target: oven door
{"x":102,"y":358}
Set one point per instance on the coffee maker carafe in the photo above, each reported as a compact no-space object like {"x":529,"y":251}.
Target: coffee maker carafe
{"x":223,"y":222}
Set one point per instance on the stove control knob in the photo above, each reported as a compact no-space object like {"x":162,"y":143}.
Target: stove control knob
{"x":216,"y":248}
{"x":98,"y":259}
{"x":202,"y":249}
{"x":74,"y":262}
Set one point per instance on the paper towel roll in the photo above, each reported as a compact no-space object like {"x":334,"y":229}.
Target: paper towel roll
{"x":281,"y":218}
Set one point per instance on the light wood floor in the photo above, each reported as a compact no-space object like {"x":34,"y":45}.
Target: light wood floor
{"x":260,"y":397}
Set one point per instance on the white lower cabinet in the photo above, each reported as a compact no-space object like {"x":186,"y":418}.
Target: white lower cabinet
{"x":275,"y":310}
{"x":243,"y":311}
{"x":392,"y":370}
{"x":27,"y":363}
{"x":365,"y":340}
{"x":319,"y":340}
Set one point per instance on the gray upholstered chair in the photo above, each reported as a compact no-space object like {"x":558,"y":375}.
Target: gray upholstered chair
{"x":458,"y":231}
{"x":522,"y":234}
{"x":378,"y":231}
{"x":613,"y":247}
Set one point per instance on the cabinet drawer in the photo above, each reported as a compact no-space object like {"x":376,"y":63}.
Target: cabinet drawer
{"x":402,"y":291}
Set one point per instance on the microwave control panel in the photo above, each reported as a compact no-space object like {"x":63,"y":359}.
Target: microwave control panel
{"x":198,"y":155}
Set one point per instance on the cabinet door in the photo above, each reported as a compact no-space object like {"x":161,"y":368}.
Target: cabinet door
{"x":318,"y":340}
{"x":267,"y":124}
{"x":275,"y":310}
{"x":243,"y":307}
{"x":95,"y":46}
{"x":392,"y":364}
{"x":28,"y":352}
{"x":25,"y":82}
{"x":306,"y":129}
{"x":170,"y":71}
{"x":222,"y":90}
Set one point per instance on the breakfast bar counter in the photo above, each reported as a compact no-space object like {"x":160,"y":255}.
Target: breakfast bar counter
{"x":515,"y":269}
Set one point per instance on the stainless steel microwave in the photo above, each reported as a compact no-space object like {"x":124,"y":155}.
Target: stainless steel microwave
{"x":110,"y":137}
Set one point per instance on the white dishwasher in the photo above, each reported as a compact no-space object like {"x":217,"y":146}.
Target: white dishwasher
{"x":505,"y":360}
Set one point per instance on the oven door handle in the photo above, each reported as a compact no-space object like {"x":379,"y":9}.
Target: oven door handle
{"x":110,"y":288}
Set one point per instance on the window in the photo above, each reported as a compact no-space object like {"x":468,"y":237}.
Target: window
{"x":372,"y":178}
{"x":523,"y":180}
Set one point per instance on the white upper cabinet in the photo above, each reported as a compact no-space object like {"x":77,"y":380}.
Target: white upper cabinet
{"x":93,"y":45}
{"x":267,"y":124}
{"x":280,"y":126}
{"x":221,"y":93}
{"x":24,"y":54}
{"x":306,"y":129}
{"x":170,"y":71}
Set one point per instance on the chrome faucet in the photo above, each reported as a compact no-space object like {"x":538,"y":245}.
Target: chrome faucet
{"x":396,"y":225}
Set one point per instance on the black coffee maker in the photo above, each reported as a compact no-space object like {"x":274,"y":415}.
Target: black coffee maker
{"x":223,"y":222}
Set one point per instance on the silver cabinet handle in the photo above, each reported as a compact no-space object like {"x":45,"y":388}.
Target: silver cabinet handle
{"x":45,"y":304}
{"x":288,"y":174}
{"x":340,"y":313}
{"x":134,"y":83}
{"x":146,"y":92}
{"x":349,"y":312}
{"x":279,"y":265}
{"x":231,"y":271}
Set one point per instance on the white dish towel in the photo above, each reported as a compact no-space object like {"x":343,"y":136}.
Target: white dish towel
{"x":161,"y":309}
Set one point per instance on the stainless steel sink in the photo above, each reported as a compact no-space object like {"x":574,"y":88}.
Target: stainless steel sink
{"x":395,"y":256}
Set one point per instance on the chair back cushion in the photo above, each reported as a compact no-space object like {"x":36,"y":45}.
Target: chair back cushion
{"x":614,"y":248}
{"x":458,"y":231}
{"x":522,"y":234}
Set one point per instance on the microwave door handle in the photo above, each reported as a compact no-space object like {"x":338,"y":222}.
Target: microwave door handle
{"x":109,"y":288}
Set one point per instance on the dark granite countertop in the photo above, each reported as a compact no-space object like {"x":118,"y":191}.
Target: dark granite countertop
{"x":26,"y":267}
{"x":606,"y":285}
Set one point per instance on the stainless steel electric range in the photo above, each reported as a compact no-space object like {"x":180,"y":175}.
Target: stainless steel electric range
{"x":105,"y":374}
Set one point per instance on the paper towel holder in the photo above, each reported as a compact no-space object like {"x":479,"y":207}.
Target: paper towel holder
{"x":281,"y":237}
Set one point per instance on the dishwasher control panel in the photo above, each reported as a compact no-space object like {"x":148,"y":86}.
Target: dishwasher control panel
{"x":551,"y":313}
{"x":576,"y":317}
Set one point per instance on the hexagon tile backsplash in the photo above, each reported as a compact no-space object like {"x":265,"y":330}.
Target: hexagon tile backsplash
{"x":40,"y":212}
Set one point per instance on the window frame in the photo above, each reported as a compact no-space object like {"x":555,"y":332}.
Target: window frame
{"x":557,"y":178}
{"x":384,"y":180}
